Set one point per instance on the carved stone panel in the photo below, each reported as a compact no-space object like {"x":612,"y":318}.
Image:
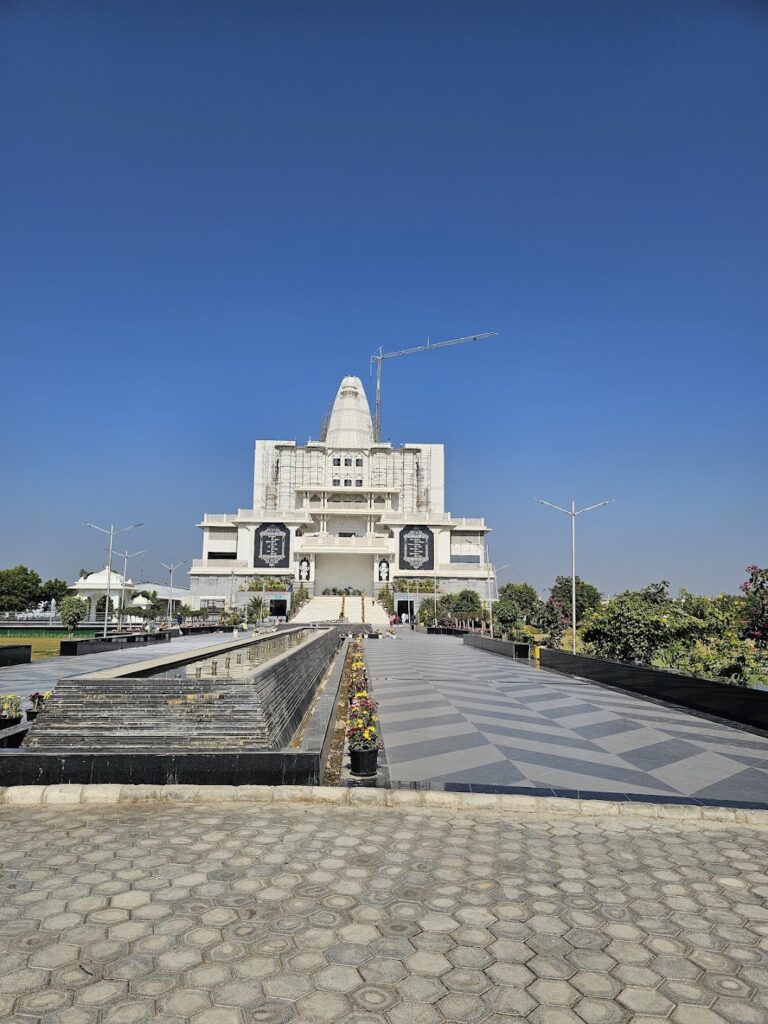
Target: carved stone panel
{"x":417,"y":548}
{"x":272,"y":546}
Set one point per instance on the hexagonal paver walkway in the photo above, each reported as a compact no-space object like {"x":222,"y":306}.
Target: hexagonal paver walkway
{"x":263,"y":914}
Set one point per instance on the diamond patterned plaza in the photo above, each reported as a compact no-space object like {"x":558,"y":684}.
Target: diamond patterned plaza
{"x":455,"y":714}
{"x":242,"y":913}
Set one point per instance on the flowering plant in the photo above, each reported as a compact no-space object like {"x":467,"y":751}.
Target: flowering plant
{"x":11,"y":705}
{"x":362,"y":724}
{"x":357,"y":667}
{"x":38,"y":699}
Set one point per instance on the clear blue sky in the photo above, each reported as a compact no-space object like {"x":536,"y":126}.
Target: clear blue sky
{"x":213,"y":211}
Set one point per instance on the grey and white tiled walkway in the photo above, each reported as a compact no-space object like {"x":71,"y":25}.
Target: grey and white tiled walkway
{"x":43,"y":675}
{"x":454,"y":714}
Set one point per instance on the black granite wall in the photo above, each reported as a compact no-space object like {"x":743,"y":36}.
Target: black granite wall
{"x":739,"y":704}
{"x":286,"y":687}
{"x":15,"y":654}
{"x":508,"y":648}
{"x":109,"y":730}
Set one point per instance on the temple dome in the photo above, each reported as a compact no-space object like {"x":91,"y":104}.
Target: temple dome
{"x":350,"y":424}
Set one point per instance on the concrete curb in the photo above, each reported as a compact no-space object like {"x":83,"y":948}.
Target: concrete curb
{"x":514,"y":804}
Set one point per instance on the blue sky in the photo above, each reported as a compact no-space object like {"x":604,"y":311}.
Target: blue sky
{"x":212,"y":212}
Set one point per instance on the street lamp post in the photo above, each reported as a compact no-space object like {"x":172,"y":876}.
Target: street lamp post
{"x":572,"y":512}
{"x":125,"y":555}
{"x":170,"y":568}
{"x":111,"y":533}
{"x":490,"y":591}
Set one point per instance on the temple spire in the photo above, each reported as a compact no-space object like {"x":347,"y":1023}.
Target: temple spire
{"x":350,"y":424}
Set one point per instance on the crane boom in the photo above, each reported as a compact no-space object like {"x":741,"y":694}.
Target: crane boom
{"x":381,"y":355}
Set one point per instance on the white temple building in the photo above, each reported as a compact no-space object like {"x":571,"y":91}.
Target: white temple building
{"x":347,"y":512}
{"x":93,"y":588}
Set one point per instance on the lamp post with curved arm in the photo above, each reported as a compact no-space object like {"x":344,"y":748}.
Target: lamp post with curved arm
{"x":573,"y":512}
{"x":111,"y":533}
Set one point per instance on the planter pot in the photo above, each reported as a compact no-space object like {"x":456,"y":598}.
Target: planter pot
{"x":32,"y":714}
{"x":8,"y":723}
{"x":363,"y":762}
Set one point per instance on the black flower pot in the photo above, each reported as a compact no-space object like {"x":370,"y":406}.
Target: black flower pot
{"x":8,"y":723}
{"x":32,"y":714}
{"x":363,"y":762}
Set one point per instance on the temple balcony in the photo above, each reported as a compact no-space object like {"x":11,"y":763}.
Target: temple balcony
{"x":413,"y":516}
{"x":221,"y":565}
{"x":216,"y":519}
{"x":320,"y":542}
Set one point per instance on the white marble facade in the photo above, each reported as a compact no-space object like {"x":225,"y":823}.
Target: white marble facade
{"x":345,"y":511}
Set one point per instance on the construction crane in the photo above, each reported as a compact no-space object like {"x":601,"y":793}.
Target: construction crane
{"x":381,"y":355}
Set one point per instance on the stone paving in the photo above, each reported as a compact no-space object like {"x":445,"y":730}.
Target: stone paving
{"x":245,"y":913}
{"x":455,"y":714}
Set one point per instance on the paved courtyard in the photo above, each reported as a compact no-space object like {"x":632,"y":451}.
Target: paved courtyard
{"x":451,"y":713}
{"x":244,"y":913}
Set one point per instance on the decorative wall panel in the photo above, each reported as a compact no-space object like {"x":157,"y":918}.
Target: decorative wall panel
{"x":417,"y":548}
{"x":272,"y":546}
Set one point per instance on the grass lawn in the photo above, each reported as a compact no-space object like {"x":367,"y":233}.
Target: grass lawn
{"x":42,"y":646}
{"x":566,"y":645}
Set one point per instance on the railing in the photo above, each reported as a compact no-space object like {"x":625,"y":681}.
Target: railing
{"x":328,"y":540}
{"x":415,"y":516}
{"x":224,"y":564}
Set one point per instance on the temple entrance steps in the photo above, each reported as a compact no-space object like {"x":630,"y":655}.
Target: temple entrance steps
{"x":375,"y":615}
{"x":356,"y":608}
{"x":320,"y":609}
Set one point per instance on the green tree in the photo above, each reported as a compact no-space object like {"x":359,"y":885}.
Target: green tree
{"x":19,"y":589}
{"x":467,"y":606}
{"x":425,"y":615}
{"x":53,"y":590}
{"x":699,"y":635}
{"x":648,"y":627}
{"x":755,"y":612}
{"x":627,"y":628}
{"x":254,"y":609}
{"x":445,"y":609}
{"x":72,"y":611}
{"x":552,"y":620}
{"x":385,"y":599}
{"x":507,"y":615}
{"x":588,"y":598}
{"x":524,"y":597}
{"x":101,"y":604}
